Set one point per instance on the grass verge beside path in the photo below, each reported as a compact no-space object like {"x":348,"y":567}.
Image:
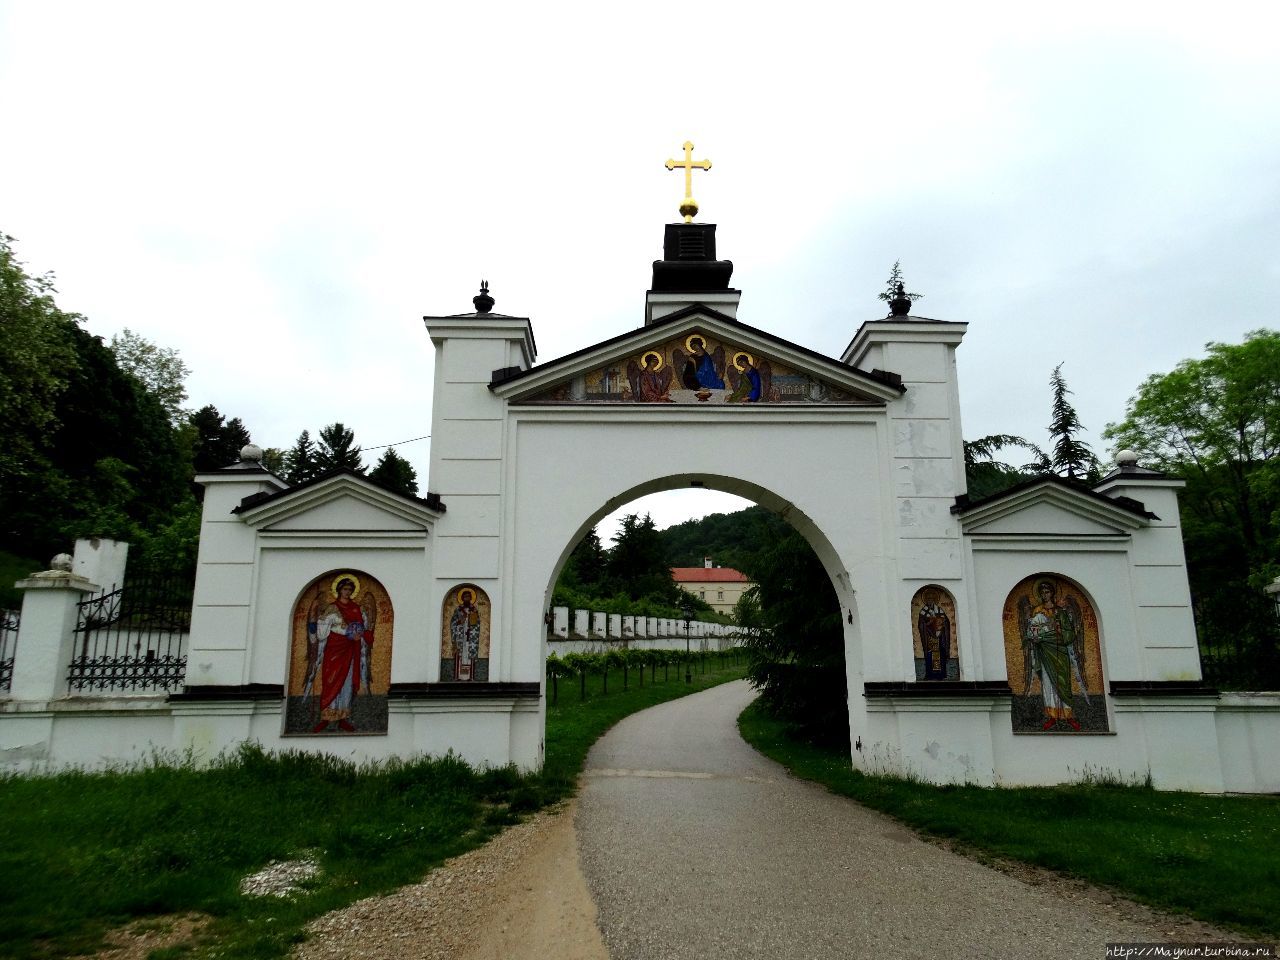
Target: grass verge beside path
{"x":88,"y":852}
{"x":1216,"y":858}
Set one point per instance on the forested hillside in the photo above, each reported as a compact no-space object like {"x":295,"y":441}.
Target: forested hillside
{"x":734,"y":540}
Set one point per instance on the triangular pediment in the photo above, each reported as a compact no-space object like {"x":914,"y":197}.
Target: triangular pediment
{"x":1054,"y":508}
{"x":341,"y":504}
{"x":697,"y":357}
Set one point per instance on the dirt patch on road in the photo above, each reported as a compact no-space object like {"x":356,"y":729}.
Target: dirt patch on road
{"x":520,"y":897}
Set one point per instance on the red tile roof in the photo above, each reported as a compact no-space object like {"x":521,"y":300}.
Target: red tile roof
{"x":708,"y":575}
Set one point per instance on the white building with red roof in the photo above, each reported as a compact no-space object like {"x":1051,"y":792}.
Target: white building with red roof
{"x":720,"y":587}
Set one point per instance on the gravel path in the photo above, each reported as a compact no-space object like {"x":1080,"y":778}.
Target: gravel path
{"x":695,"y":846}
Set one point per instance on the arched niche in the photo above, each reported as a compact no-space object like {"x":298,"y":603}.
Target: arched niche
{"x":1054,"y":657}
{"x":465,"y":623}
{"x":934,"y":634}
{"x":339,"y":656}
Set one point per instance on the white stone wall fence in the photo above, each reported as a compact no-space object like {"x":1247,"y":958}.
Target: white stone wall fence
{"x":633,"y":633}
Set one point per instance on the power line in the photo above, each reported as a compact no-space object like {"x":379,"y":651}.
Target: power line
{"x":397,"y":443}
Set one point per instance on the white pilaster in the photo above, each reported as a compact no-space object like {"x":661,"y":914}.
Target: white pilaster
{"x":218,"y":651}
{"x":46,"y":634}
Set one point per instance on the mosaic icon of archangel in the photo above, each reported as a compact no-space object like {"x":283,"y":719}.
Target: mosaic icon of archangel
{"x":1053,"y":656}
{"x":340,"y":656}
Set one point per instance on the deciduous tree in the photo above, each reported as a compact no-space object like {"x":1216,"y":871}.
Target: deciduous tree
{"x":1214,"y":422}
{"x":160,"y":369}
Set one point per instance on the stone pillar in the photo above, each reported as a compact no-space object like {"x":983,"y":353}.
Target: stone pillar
{"x":1158,"y":567}
{"x":219,"y":645}
{"x":581,"y":624}
{"x":47,"y":632}
{"x":599,"y":629}
{"x":927,"y":469}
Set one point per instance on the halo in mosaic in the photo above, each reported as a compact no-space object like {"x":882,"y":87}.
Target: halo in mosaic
{"x":695,"y":368}
{"x":339,"y":656}
{"x":1054,"y":657}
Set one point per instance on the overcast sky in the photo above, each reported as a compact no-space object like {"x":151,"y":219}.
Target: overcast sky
{"x":282,"y":191}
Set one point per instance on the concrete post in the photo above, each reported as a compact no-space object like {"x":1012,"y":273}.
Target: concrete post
{"x":560,"y":622}
{"x":46,"y":634}
{"x":101,"y":560}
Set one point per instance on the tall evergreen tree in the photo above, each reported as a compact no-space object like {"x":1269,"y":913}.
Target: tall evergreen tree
{"x":218,"y":441}
{"x":637,"y":564}
{"x":337,"y":449}
{"x":395,"y":473}
{"x":300,"y":461}
{"x":1071,"y":457}
{"x":585,"y":568}
{"x":796,"y":660}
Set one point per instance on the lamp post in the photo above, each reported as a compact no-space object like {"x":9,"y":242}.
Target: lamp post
{"x":688,"y":618}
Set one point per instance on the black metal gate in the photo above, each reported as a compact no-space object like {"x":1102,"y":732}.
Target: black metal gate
{"x":9,"y":620}
{"x":133,"y":638}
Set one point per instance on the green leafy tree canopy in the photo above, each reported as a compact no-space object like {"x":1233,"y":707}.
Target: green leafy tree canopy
{"x":160,"y":369}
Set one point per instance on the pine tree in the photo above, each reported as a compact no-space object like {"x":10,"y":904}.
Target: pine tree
{"x":636,"y":563}
{"x":236,"y":434}
{"x":218,"y":441}
{"x":1071,"y":457}
{"x":586,"y":564}
{"x":300,"y":461}
{"x":337,"y":450}
{"x":395,"y":473}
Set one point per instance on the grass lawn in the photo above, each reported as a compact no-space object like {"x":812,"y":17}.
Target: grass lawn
{"x":85,"y":852}
{"x":1212,"y":857}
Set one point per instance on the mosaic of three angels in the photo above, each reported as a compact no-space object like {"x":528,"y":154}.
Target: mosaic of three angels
{"x":694,"y":368}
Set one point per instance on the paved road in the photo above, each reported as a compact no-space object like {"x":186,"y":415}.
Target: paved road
{"x":694,"y":845}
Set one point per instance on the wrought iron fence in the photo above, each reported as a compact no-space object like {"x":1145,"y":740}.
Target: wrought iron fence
{"x":1239,"y":640}
{"x":134,"y":638}
{"x":9,"y":620}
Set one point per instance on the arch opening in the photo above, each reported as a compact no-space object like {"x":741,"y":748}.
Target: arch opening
{"x":829,"y":565}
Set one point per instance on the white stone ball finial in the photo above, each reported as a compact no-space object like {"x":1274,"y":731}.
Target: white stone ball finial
{"x":251,"y":453}
{"x":1126,"y":458}
{"x":61,"y":562}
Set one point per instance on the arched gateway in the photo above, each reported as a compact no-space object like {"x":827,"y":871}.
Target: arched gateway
{"x":1030,"y":637}
{"x":861,"y":453}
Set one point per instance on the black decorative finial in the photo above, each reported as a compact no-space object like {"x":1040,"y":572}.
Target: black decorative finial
{"x":484,"y":302}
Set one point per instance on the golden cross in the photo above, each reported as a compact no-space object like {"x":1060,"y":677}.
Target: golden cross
{"x":690,"y":206}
